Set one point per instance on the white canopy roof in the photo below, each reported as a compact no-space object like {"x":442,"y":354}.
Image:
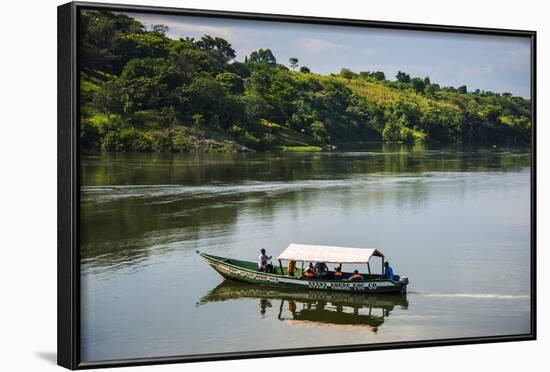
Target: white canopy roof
{"x":323,"y":253}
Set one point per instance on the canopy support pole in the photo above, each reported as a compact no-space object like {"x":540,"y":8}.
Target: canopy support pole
{"x":368,"y":267}
{"x":281,"y":266}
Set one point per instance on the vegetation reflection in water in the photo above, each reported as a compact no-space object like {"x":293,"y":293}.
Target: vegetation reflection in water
{"x":319,"y":307}
{"x":181,"y":192}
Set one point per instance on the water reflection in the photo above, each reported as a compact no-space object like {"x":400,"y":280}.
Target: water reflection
{"x":455,"y":221}
{"x":318,"y":307}
{"x":206,"y":168}
{"x":134,"y":206}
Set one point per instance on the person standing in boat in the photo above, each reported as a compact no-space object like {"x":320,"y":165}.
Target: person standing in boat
{"x":291,"y":267}
{"x":388,"y":271}
{"x":263,"y":262}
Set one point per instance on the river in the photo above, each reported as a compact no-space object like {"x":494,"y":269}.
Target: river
{"x":456,"y":221}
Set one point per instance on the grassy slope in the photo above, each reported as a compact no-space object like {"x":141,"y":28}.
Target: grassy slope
{"x":376,"y":92}
{"x":288,"y":139}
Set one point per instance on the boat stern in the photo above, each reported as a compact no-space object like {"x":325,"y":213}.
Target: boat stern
{"x":403,"y":283}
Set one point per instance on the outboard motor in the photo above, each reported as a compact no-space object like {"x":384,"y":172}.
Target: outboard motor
{"x":403,"y":282}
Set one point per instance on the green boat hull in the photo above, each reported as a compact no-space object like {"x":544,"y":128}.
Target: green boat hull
{"x":245,"y":271}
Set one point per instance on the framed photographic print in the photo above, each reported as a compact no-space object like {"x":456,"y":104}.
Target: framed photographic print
{"x":237,"y":185}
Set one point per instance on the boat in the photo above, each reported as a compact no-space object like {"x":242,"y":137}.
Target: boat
{"x":248,"y":272}
{"x":296,"y":306}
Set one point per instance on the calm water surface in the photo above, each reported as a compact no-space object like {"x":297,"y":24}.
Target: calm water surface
{"x":455,"y":221}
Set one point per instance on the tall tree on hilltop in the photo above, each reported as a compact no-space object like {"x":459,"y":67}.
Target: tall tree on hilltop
{"x":218,"y":46}
{"x":418,"y":85}
{"x":293,"y":61}
{"x":264,"y":56}
{"x":403,"y":77}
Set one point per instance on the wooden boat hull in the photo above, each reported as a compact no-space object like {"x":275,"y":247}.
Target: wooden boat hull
{"x":234,"y":270}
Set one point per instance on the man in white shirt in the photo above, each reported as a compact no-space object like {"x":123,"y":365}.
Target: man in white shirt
{"x":263,"y":262}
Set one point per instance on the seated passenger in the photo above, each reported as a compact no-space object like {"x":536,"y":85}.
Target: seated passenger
{"x":338,"y":275}
{"x":309,"y":272}
{"x":263,"y":262}
{"x":356,"y":277}
{"x":321,"y":269}
{"x":388,"y":271}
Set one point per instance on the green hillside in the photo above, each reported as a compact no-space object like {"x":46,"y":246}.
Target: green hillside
{"x":142,"y":91}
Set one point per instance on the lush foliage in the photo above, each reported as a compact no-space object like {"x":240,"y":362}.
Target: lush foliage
{"x":142,"y":91}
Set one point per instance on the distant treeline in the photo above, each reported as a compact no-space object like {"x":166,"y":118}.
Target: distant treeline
{"x":142,"y":91}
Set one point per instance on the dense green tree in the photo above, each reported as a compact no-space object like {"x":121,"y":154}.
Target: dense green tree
{"x":305,"y":70}
{"x":258,"y":82}
{"x":376,"y":75}
{"x":139,"y":45}
{"x":347,"y":73}
{"x":379,"y":75}
{"x":320,"y":134}
{"x":393,"y":130}
{"x":232,"y":82}
{"x":217,"y":47}
{"x":108,"y":98}
{"x":264,"y":56}
{"x":418,"y":85}
{"x":256,"y":108}
{"x":99,"y":31}
{"x":142,"y":86}
{"x":205,"y":97}
{"x":403,"y":77}
{"x":430,"y":90}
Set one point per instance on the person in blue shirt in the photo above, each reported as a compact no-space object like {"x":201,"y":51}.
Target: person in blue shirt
{"x":388,"y":271}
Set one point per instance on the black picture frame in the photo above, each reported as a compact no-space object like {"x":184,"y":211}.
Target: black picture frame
{"x":68,"y":318}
